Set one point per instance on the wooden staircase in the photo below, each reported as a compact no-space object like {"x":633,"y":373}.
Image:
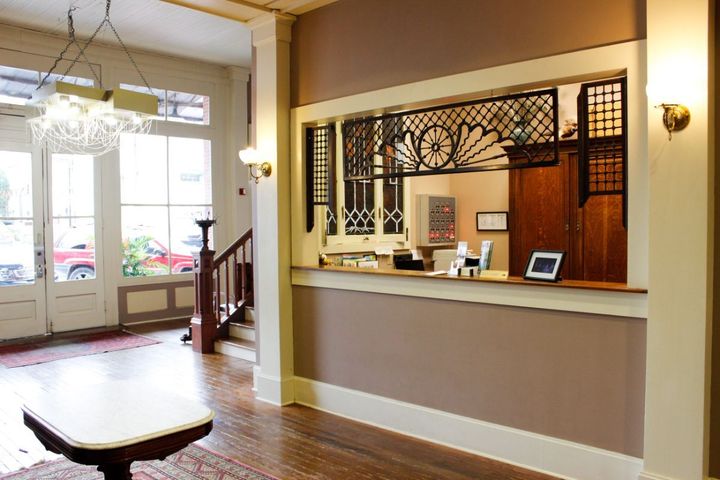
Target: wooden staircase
{"x":240,"y":341}
{"x":224,"y":319}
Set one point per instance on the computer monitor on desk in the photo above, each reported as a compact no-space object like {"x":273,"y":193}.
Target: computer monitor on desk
{"x":472,"y":261}
{"x":406,"y":262}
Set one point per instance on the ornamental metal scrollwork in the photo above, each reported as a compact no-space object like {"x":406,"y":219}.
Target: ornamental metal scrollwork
{"x":465,"y":137}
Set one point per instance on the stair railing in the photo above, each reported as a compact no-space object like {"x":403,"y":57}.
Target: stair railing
{"x":223,"y":288}
{"x":232,"y":275}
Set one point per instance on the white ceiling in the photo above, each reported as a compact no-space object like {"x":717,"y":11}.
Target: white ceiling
{"x":209,"y":30}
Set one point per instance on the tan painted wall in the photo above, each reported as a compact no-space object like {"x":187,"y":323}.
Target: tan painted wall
{"x":482,"y":192}
{"x":573,"y":376}
{"x":354,"y":46}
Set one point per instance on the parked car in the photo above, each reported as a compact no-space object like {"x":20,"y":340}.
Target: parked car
{"x":16,"y":259}
{"x":74,"y":256}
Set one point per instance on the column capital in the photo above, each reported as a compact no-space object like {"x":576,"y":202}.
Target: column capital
{"x":271,"y":27}
{"x":238,"y":73}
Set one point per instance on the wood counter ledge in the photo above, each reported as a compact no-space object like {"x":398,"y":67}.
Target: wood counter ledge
{"x":580,"y":284}
{"x":600,"y":298}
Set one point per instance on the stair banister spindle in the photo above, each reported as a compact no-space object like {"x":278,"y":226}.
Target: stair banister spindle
{"x":235,"y":283}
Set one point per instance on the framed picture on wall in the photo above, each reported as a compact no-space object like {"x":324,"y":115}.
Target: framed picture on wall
{"x":544,"y":265}
{"x":493,"y":221}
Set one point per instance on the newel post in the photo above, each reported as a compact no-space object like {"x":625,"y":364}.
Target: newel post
{"x":203,"y":323}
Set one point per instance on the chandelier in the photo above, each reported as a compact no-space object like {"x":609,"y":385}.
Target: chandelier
{"x":88,"y":120}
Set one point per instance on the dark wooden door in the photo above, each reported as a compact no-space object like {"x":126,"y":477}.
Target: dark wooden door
{"x":539,"y":212}
{"x":544,"y":214}
{"x":603,"y":239}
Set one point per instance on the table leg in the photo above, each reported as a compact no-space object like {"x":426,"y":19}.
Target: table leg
{"x":116,"y":471}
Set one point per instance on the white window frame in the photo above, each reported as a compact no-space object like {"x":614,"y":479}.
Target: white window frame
{"x":344,"y":243}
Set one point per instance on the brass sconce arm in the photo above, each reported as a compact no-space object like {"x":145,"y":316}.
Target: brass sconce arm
{"x":257,"y":169}
{"x":675,"y":117}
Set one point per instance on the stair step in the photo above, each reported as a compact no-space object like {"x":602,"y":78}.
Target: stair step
{"x":238,"y":348}
{"x":244,"y":331}
{"x":250,"y":314}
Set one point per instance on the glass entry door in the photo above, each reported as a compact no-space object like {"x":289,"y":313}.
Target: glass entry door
{"x":22,"y":266}
{"x":75,"y":291}
{"x":50,"y":242}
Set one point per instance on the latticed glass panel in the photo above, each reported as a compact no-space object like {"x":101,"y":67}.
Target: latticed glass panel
{"x":603,"y":156}
{"x":360,"y":207}
{"x":331,"y":220}
{"x":472,"y":136}
{"x":393,"y":217}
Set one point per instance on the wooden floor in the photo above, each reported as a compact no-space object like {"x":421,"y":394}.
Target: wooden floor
{"x":291,"y":443}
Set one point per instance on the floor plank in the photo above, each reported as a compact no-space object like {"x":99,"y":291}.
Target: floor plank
{"x":293,"y":442}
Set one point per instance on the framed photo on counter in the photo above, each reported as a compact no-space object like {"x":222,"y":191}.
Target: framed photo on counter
{"x":544,"y":265}
{"x":493,"y":221}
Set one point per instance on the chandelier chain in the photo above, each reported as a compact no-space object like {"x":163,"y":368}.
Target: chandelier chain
{"x":71,"y":33}
{"x":81,"y":49}
{"x":127,"y":52}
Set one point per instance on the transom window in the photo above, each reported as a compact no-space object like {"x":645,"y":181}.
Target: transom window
{"x":18,"y":84}
{"x":179,"y":107}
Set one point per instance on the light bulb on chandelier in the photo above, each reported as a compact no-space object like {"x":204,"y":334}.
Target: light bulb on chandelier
{"x":89,"y":120}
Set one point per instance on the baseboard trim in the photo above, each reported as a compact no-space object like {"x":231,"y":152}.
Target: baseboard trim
{"x":655,"y":476}
{"x":275,"y":390}
{"x":525,"y":449}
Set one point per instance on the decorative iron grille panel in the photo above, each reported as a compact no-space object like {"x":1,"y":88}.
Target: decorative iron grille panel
{"x":466,"y":137}
{"x":319,"y":170}
{"x":602,"y":158}
{"x":320,"y":165}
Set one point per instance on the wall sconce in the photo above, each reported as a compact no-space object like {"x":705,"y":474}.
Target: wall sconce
{"x":675,"y":117}
{"x":250,"y":157}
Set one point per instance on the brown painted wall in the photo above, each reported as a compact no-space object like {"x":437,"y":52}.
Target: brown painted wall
{"x":574,"y":376}
{"x":715,"y":366}
{"x":354,"y":46}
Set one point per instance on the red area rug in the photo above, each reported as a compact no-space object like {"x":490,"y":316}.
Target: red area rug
{"x":193,"y":462}
{"x":32,"y":353}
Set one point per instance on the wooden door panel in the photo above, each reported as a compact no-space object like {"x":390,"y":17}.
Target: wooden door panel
{"x":538,"y":215}
{"x":604,"y":239}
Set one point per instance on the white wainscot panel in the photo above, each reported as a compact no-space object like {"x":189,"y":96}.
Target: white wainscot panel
{"x":184,"y":297}
{"x":76,"y":303}
{"x":147,"y":301}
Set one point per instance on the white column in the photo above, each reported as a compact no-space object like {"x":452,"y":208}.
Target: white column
{"x":680,"y":283}
{"x":271,"y":210}
{"x":237,"y":139}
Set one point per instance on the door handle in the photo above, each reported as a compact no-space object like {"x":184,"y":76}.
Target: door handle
{"x":39,"y":262}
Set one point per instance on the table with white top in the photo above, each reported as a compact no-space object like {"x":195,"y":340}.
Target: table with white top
{"x":114,"y":424}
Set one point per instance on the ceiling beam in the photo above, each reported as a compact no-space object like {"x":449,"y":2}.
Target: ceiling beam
{"x":241,"y":12}
{"x":255,"y":6}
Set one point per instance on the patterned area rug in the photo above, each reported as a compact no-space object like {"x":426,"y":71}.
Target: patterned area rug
{"x":192,"y":463}
{"x":32,"y":353}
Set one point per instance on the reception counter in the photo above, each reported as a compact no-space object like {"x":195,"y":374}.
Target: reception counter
{"x":566,"y":295}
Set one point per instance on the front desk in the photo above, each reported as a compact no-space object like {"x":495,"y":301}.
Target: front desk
{"x":551,"y":367}
{"x":567,"y":295}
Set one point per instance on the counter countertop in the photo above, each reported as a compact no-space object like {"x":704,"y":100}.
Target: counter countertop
{"x":577,"y":284}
